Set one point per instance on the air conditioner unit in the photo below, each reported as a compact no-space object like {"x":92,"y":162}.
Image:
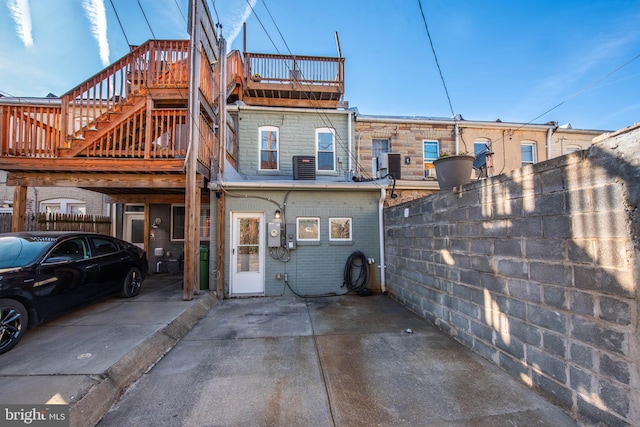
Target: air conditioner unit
{"x":389,"y":163}
{"x":304,"y":167}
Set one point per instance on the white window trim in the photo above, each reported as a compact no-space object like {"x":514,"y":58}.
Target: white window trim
{"x":350,"y":238}
{"x":268,"y":129}
{"x":374,"y":160}
{"x":333,"y":134}
{"x":204,"y":210}
{"x":437,"y":150}
{"x":64,"y":205}
{"x":316,"y":219}
{"x":429,"y":161}
{"x":534,"y":154}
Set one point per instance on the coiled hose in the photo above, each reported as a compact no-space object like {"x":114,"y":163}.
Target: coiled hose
{"x":356,"y":263}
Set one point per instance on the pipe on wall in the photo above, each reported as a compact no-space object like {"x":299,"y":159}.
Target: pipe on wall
{"x":383,"y":283}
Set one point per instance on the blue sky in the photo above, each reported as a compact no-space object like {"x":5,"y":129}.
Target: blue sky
{"x":512,"y":60}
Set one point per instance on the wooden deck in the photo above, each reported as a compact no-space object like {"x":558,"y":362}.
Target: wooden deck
{"x":129,"y":119}
{"x":293,"y":81}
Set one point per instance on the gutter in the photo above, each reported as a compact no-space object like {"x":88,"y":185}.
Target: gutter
{"x":450,"y":122}
{"x":382,"y":266}
{"x":346,"y":186}
{"x":349,"y":153}
{"x":237,"y":107}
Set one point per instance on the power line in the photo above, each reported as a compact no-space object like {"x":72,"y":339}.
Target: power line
{"x":119,"y":22}
{"x":180,"y":10}
{"x":277,"y":27}
{"x":585,"y":89}
{"x":323,"y":116}
{"x":436,"y":58}
{"x":145,"y":18}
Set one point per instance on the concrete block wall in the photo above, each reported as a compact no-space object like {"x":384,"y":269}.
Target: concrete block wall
{"x":537,"y":271}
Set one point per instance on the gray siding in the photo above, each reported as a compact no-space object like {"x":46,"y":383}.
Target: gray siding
{"x":297,"y":138}
{"x":318,"y":267}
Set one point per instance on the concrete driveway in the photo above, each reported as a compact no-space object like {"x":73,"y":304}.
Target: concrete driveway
{"x":336,"y":361}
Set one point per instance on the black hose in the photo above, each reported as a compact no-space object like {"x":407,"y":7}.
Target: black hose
{"x":356,"y":262}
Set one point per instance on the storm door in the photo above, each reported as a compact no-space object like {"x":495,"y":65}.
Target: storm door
{"x":247,"y":254}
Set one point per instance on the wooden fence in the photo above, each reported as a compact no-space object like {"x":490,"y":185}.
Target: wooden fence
{"x":60,"y":222}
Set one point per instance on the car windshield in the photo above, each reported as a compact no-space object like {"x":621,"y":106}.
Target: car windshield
{"x":19,"y":251}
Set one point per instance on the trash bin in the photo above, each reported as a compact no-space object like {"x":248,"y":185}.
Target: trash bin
{"x":204,"y":267}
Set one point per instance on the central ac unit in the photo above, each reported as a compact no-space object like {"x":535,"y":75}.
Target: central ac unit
{"x":304,"y":167}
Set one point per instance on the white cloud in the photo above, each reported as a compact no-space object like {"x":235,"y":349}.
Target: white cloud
{"x":235,"y":18}
{"x":94,"y":9}
{"x":22,"y":16}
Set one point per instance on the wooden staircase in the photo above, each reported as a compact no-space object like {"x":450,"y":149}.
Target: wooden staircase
{"x":131,"y":108}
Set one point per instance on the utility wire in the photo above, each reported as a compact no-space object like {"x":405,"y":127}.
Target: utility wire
{"x":436,"y":58}
{"x":145,"y":18}
{"x":323,"y":116}
{"x":585,"y":89}
{"x":119,"y":22}
{"x":180,"y":10}
{"x":277,"y":27}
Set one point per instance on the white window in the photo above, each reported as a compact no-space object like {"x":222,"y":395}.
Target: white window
{"x":77,"y":209}
{"x":528,"y":153}
{"x":325,"y":149}
{"x":340,"y":229}
{"x":178,"y":218}
{"x":378,"y":146}
{"x":64,"y":206}
{"x":50,"y":208}
{"x":572,"y":149}
{"x":430,"y":150}
{"x":269,"y":147}
{"x":308,"y":229}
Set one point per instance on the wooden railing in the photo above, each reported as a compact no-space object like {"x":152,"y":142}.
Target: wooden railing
{"x":29,"y":130}
{"x":206,"y":83}
{"x":234,"y":69}
{"x":311,"y":70}
{"x":167,"y":137}
{"x":208,"y":141}
{"x":155,"y":64}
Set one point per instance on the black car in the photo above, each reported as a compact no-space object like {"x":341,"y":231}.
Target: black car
{"x":46,"y":274}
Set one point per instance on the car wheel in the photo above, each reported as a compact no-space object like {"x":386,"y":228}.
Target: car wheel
{"x":132,"y":283}
{"x":13,"y":323}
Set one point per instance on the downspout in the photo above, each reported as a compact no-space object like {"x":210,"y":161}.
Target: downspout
{"x":349,"y":126}
{"x":382,"y":267}
{"x":457,"y":131}
{"x":549,"y":133}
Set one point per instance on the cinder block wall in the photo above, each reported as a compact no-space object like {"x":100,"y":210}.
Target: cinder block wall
{"x":538,"y":271}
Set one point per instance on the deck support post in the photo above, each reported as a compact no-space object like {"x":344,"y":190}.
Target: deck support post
{"x":19,"y":208}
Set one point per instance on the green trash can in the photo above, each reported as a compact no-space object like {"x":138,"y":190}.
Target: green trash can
{"x":204,"y":267}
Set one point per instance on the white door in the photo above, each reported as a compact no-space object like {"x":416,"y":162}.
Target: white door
{"x":134,"y":228}
{"x":247,"y":253}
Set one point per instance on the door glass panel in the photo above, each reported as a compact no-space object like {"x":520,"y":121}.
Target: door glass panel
{"x":248,"y":244}
{"x":137,"y":231}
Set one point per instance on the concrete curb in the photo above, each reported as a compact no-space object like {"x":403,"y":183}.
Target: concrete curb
{"x":89,"y":408}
